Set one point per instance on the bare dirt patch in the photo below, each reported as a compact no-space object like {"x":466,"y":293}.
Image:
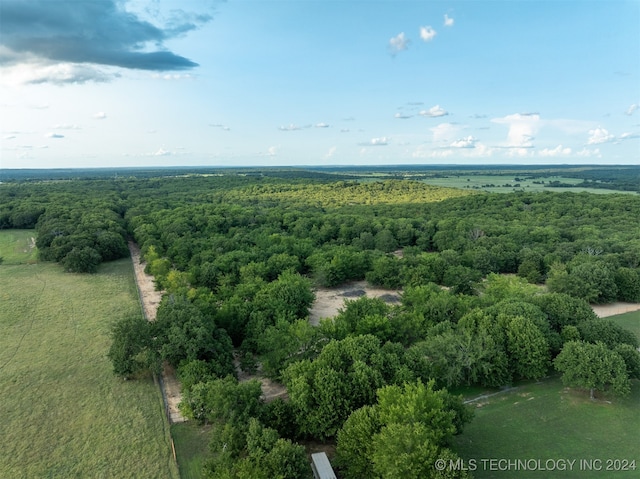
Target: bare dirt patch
{"x":150,"y":301}
{"x":329,"y":301}
{"x":606,"y":310}
{"x":271,"y":390}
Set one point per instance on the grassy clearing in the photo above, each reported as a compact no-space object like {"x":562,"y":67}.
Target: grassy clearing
{"x":18,"y":246}
{"x":64,"y":414}
{"x":548,"y":421}
{"x":192,"y":448}
{"x":630,"y":321}
{"x":507,"y":183}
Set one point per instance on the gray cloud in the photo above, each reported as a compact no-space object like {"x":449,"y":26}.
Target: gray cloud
{"x":97,"y":32}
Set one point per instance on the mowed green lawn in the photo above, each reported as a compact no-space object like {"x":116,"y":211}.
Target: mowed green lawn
{"x":62,"y":412}
{"x":630,"y":321}
{"x":547,"y":421}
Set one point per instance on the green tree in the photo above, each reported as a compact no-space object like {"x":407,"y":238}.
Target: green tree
{"x":527,"y":348}
{"x":385,"y":272}
{"x":81,"y":260}
{"x":628,"y":283}
{"x":130,"y":340}
{"x":222,"y":399}
{"x":354,"y":442}
{"x":608,"y":332}
{"x":594,"y":367}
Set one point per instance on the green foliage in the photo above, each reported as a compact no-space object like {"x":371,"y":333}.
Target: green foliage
{"x":499,"y":287}
{"x":81,"y":260}
{"x":631,"y":357}
{"x":527,"y":348}
{"x":403,"y":434}
{"x":593,"y":366}
{"x":254,"y":451}
{"x":608,"y":332}
{"x":563,"y":310}
{"x":592,"y":281}
{"x":461,"y":279}
{"x":341,"y":379}
{"x":354,"y":445}
{"x":223,"y":400}
{"x":628,"y":283}
{"x":285,"y":342}
{"x":130,"y":340}
{"x":385,"y":272}
{"x":183,"y":333}
{"x":361,"y":316}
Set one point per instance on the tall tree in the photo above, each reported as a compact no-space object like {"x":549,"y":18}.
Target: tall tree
{"x":594,"y":367}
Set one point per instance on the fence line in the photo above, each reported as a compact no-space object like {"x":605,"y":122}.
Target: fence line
{"x":157,"y":378}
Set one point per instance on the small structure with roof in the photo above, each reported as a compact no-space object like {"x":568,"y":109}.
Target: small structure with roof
{"x":321,"y":466}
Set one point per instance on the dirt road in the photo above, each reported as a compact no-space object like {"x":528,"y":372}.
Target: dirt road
{"x":150,"y":301}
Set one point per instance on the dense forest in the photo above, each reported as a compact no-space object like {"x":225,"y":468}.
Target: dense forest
{"x":495,"y":289}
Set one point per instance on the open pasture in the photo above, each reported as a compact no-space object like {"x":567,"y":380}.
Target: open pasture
{"x":546,"y":421}
{"x":509,"y":183}
{"x":63,"y":412}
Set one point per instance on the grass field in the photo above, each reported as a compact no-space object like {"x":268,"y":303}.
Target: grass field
{"x":630,"y":321}
{"x":63,"y":413}
{"x":17,"y":246}
{"x":192,"y":448}
{"x":506,"y":184}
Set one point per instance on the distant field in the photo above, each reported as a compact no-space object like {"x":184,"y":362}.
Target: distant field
{"x":546,"y":421}
{"x":507,"y":184}
{"x":64,"y":414}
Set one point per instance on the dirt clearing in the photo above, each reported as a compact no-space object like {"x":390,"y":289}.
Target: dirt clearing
{"x":329,"y":300}
{"x":606,"y":310}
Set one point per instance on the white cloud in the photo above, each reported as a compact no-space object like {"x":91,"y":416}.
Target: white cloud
{"x":445,"y":132}
{"x":522,"y":129}
{"x":434,"y":112}
{"x":557,"y":151}
{"x":632,"y":109}
{"x":321,"y":125}
{"x":172,"y":76}
{"x":161,"y":152}
{"x":53,"y":135}
{"x":402,"y":116}
{"x":381,"y":141}
{"x":330,"y":153}
{"x":585,"y":153}
{"x":599,"y":135}
{"x":9,"y":137}
{"x":272,"y":151}
{"x":398,"y":43}
{"x":468,"y":142}
{"x":290,"y":127}
{"x":34,"y":73}
{"x":427,"y":34}
{"x":448,"y":21}
{"x":66,"y":127}
{"x":629,"y":136}
{"x":100,"y":115}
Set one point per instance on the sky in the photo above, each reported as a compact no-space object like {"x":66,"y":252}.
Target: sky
{"x":111,"y":83}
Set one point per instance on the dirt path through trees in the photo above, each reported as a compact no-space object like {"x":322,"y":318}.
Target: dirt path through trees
{"x":150,"y":301}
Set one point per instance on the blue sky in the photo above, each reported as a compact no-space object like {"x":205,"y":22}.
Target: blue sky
{"x":87,"y":83}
